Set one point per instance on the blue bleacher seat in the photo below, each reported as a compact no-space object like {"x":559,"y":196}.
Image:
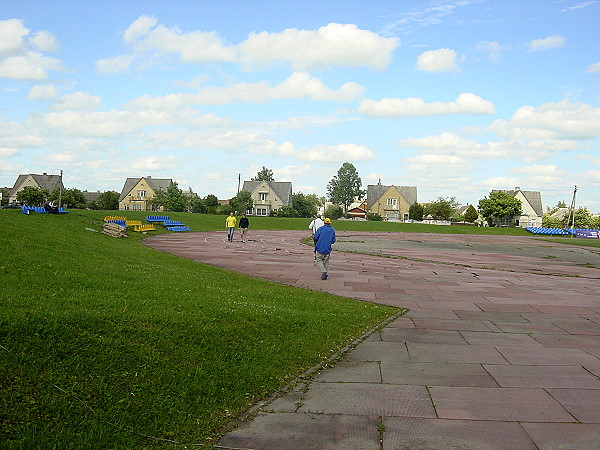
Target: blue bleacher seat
{"x":179,"y":228}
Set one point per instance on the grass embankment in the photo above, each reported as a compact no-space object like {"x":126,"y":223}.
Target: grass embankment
{"x":105,"y":343}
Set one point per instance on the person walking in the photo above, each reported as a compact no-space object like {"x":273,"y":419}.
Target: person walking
{"x":230,"y":224}
{"x":244,"y":224}
{"x":324,"y":237}
{"x":316,"y":223}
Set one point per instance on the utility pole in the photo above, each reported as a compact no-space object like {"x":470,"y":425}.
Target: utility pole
{"x":239,"y":181}
{"x":60,"y":184}
{"x":572,"y":211}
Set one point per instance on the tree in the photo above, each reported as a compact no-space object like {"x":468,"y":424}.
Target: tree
{"x":345,"y":186}
{"x":471,"y":214}
{"x":441,"y":209}
{"x":108,"y":200}
{"x":583,"y":219}
{"x":334,"y":212}
{"x":171,"y":200}
{"x":551,"y":222}
{"x":416,"y":211}
{"x":498,"y":206}
{"x":242,"y":202}
{"x":264,"y":175}
{"x":32,"y":196}
{"x":212,"y":202}
{"x":304,"y":205}
{"x":285,"y":211}
{"x":69,"y":198}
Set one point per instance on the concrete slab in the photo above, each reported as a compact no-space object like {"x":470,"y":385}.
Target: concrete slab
{"x":304,"y":431}
{"x":564,"y":436}
{"x":436,"y":374}
{"x":575,"y":377}
{"x":505,"y":404}
{"x":435,"y":434}
{"x":368,"y":399}
{"x":583,"y":404}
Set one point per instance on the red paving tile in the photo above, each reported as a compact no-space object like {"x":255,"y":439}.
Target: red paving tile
{"x":495,"y":352}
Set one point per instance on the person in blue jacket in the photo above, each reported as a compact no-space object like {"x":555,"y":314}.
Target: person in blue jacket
{"x":324,"y":237}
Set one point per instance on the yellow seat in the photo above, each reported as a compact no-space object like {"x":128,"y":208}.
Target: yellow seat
{"x":149,"y":227}
{"x":107,"y":218}
{"x":132,"y":223}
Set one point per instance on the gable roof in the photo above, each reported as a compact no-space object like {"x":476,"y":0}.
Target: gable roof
{"x":44,"y":181}
{"x":534,"y":198}
{"x":283,"y":189}
{"x":154,"y":183}
{"x":375,"y":191}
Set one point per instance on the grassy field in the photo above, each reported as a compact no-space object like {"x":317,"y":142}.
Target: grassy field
{"x":105,"y":343}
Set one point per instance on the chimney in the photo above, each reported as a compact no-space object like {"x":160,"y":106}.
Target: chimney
{"x":517,"y":188}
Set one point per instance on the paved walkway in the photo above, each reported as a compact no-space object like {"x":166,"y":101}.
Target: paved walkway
{"x":495,"y":352}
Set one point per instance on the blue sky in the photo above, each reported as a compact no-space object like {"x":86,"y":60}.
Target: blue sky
{"x":456,"y":97}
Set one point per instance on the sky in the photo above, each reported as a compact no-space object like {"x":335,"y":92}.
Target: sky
{"x":455,"y":97}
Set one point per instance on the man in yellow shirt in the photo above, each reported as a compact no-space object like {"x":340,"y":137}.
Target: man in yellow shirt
{"x":230,"y":224}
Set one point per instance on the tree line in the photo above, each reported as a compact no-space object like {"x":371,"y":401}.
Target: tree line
{"x":343,"y":189}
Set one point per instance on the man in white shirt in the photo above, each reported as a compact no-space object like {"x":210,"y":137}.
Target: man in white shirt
{"x":316,"y":223}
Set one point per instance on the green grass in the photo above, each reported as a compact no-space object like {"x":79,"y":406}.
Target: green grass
{"x":576,"y":241}
{"x":106,"y":343}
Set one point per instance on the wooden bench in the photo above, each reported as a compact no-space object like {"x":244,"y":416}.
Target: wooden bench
{"x":114,"y":229}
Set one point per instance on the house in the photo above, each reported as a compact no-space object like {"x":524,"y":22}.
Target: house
{"x":137,"y":193}
{"x":44,"y":181}
{"x":390,"y":202}
{"x":357,"y":210}
{"x":531,"y":207}
{"x":268,"y":196}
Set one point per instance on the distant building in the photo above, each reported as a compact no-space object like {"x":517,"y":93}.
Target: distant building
{"x":268,"y":196}
{"x":44,"y":181}
{"x":137,"y":193}
{"x":390,"y":202}
{"x":531,"y":206}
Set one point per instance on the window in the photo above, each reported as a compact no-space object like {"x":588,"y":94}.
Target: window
{"x":392,"y":202}
{"x":262,"y":196}
{"x":137,"y":207}
{"x":261,"y":211}
{"x":141,"y":193}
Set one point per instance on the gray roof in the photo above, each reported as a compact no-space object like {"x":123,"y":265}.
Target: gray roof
{"x":44,"y":181}
{"x":154,"y":183}
{"x":534,"y":198}
{"x":375,"y":191}
{"x":283,"y":189}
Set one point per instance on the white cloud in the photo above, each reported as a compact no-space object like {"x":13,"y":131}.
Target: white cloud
{"x":390,"y":108}
{"x":112,"y":66}
{"x":78,"y":101}
{"x":150,"y":163}
{"x":436,"y":61}
{"x":30,"y":67}
{"x":492,"y":48}
{"x":336,"y":153}
{"x":562,"y":120}
{"x":192,"y":47}
{"x":6,"y":152}
{"x":333,"y":44}
{"x":594,"y":68}
{"x":42,"y":92}
{"x":12,"y":32}
{"x":299,"y":85}
{"x":45,"y":41}
{"x":546,"y":43}
{"x":579,"y":6}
